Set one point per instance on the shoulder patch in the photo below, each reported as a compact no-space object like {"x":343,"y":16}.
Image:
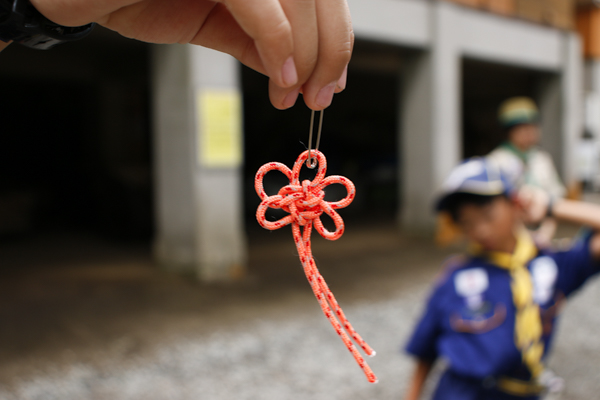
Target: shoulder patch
{"x":471,"y":282}
{"x":450,"y":265}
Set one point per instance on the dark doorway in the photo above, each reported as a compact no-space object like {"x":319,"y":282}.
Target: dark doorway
{"x":359,"y":133}
{"x":75,"y":144}
{"x":484,"y":86}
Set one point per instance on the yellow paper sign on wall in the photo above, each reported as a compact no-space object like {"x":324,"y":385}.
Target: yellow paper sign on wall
{"x":220,"y":128}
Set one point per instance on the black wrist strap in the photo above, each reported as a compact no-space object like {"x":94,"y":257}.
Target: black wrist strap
{"x":20,"y":22}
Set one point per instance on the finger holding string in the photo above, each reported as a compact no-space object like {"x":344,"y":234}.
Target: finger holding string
{"x":296,"y":43}
{"x":256,"y":32}
{"x":302,"y":15}
{"x":266,"y":22}
{"x":336,"y":41}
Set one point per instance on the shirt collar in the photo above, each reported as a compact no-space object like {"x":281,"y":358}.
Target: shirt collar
{"x":525,"y":251}
{"x":523,"y":155}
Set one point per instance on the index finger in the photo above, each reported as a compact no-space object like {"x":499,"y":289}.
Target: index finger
{"x":266,"y":23}
{"x":336,"y":40}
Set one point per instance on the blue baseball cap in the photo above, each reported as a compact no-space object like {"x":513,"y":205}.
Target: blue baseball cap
{"x":476,"y":176}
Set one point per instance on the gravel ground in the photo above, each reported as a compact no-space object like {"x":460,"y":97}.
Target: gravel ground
{"x":118,"y":328}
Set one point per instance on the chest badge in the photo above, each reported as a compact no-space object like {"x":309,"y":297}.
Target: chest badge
{"x":480,"y":316}
{"x":471,"y":284}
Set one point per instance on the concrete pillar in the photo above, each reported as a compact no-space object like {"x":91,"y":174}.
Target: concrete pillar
{"x":592,"y":103}
{"x":572,"y":105}
{"x":550,"y":104}
{"x":592,"y":92}
{"x":592,"y":100}
{"x":198,"y":160}
{"x":430,"y":127}
{"x":593,"y":72}
{"x":416,"y":143}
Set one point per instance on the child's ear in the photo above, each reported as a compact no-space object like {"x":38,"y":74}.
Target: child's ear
{"x":447,"y":231}
{"x":515,"y":200}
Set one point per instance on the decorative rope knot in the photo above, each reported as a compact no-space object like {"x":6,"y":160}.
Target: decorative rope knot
{"x":305,"y":203}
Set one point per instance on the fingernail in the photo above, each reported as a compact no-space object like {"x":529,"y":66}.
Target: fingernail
{"x":289,"y":73}
{"x":291,"y":98}
{"x":325,"y":95}
{"x":341,"y":83}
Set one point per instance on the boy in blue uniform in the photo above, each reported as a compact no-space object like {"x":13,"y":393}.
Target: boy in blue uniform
{"x":492,"y":312}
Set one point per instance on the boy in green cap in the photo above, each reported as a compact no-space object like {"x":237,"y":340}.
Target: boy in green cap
{"x":522,"y":161}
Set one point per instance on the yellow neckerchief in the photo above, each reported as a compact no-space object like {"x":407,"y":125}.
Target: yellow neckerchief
{"x":528,"y":322}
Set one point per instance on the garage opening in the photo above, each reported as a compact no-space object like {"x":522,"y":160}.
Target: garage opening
{"x":75,"y":148}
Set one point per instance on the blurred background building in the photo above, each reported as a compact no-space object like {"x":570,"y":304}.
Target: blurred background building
{"x":159,"y":143}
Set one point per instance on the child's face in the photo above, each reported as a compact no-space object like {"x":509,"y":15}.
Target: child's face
{"x":524,"y":136}
{"x":490,"y":225}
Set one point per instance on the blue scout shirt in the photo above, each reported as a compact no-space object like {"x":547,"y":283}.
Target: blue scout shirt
{"x":470,"y":317}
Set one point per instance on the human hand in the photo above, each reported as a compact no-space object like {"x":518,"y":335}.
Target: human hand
{"x":534,"y":203}
{"x":544,"y":235}
{"x":302,"y":45}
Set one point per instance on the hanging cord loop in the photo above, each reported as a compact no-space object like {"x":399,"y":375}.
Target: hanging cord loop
{"x":305,"y":202}
{"x":311,"y":162}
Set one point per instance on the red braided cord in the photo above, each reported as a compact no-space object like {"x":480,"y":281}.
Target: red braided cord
{"x":304,"y":201}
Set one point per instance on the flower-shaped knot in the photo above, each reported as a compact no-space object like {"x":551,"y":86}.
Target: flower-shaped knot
{"x":304,"y":201}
